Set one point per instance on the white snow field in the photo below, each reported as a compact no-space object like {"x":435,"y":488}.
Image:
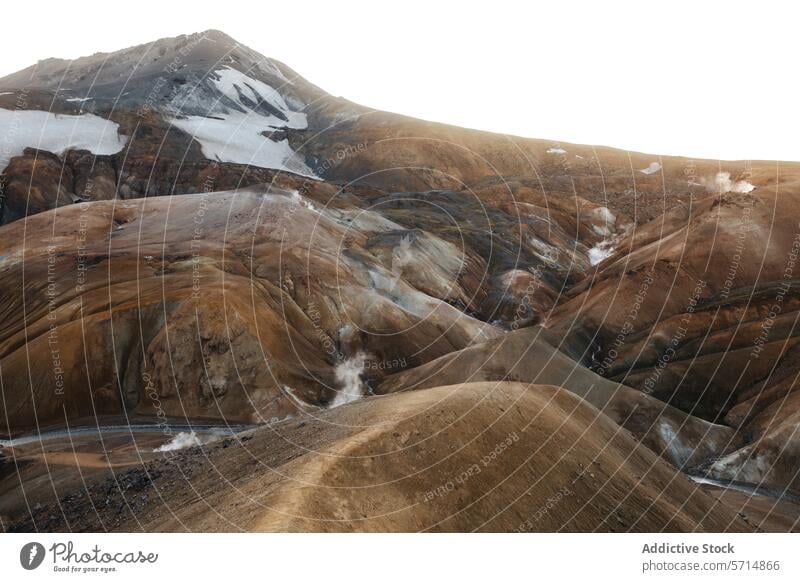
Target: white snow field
{"x":235,"y":133}
{"x":56,"y":133}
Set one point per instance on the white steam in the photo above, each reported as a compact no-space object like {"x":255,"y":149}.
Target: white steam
{"x":601,"y":251}
{"x":299,"y":199}
{"x":401,"y":256}
{"x":348,"y":375}
{"x":184,"y":440}
{"x":722,"y":183}
{"x":607,"y":219}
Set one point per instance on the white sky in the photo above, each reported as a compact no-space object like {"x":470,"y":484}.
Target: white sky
{"x":704,"y":79}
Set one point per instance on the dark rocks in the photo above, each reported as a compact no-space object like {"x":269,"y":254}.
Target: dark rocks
{"x":34,"y":182}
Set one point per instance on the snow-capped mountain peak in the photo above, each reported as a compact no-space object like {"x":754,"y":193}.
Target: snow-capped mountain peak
{"x":230,"y":99}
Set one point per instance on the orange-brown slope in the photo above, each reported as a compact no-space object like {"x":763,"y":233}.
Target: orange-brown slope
{"x":699,"y":309}
{"x":206,"y":305}
{"x":483,"y":456}
{"x":531,"y":355}
{"x":487,"y":457}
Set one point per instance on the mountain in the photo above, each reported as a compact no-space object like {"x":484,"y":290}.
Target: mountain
{"x":202,"y":112}
{"x":195,"y":236}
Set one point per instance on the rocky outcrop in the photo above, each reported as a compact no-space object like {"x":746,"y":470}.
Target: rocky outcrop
{"x":34,"y":182}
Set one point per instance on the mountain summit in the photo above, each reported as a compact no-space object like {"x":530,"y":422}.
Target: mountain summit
{"x":127,"y":74}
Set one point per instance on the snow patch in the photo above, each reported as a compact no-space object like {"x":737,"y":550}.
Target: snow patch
{"x":237,"y":139}
{"x":240,"y":112}
{"x":56,"y":133}
{"x":750,"y":490}
{"x":652,"y":168}
{"x":184,"y":440}
{"x":348,"y":374}
{"x":557,"y":150}
{"x":722,"y":183}
{"x":253,"y":95}
{"x":746,"y":464}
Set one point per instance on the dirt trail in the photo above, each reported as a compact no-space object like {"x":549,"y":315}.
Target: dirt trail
{"x":483,"y":456}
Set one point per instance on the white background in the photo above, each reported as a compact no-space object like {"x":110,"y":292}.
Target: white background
{"x":702,"y":79}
